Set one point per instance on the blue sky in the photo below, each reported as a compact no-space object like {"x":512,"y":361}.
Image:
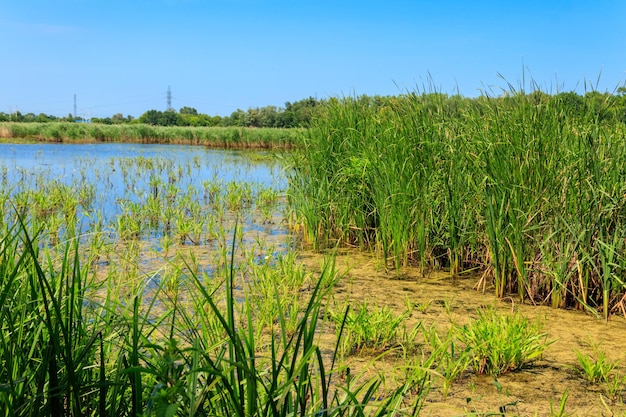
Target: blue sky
{"x":221,"y":55}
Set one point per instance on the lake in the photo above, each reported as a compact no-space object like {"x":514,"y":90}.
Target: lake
{"x":143,"y":191}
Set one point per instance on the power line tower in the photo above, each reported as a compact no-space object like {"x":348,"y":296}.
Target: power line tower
{"x":75,"y":113}
{"x":169,"y":99}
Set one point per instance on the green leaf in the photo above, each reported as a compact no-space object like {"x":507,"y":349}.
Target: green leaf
{"x":171,"y":409}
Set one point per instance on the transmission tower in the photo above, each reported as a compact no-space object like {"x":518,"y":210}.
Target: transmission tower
{"x":169,"y":99}
{"x":75,"y":113}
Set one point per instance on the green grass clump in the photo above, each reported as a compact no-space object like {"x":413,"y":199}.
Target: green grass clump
{"x":598,"y":369}
{"x":370,"y":329}
{"x":498,"y":343}
{"x":446,"y":357}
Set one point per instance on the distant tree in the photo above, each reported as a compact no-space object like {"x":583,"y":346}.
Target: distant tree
{"x":201,"y":120}
{"x":17,"y":117}
{"x":206,"y":120}
{"x":268,"y":116}
{"x":599,"y":104}
{"x":159,"y":118}
{"x":253,"y":118}
{"x":237,"y":118}
{"x":188,"y":110}
{"x":118,"y":118}
{"x":171,"y":118}
{"x":299,"y":113}
{"x":44,"y":118}
{"x":572,"y":102}
{"x":151,"y":117}
{"x":189,"y":120}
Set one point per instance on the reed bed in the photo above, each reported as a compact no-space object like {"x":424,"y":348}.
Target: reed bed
{"x":516,"y":188}
{"x":246,"y":339}
{"x":223,"y":137}
{"x":171,"y":304}
{"x":64,"y":352}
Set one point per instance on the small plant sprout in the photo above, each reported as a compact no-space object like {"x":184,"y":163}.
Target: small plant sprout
{"x":598,"y":369}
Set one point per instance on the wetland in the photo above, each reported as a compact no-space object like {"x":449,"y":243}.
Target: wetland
{"x":183,"y":280}
{"x":147,"y":223}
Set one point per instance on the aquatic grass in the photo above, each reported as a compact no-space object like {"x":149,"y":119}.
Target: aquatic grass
{"x":286,"y":375}
{"x":267,"y":201}
{"x":168,"y":203}
{"x":446,"y":357}
{"x":152,"y":342}
{"x":53,"y":207}
{"x":49,"y":346}
{"x":126,"y":351}
{"x":275,"y":289}
{"x":596,"y":368}
{"x":560,"y":411}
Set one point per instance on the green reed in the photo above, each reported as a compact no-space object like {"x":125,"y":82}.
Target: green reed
{"x":50,"y":343}
{"x":72,"y":344}
{"x":514,"y":185}
{"x":223,"y":137}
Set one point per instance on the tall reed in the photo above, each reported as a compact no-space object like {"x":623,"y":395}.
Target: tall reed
{"x":515,"y":185}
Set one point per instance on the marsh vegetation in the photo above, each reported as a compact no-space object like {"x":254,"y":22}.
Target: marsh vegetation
{"x":517,"y":188}
{"x":215,"y":136}
{"x":177,"y":280}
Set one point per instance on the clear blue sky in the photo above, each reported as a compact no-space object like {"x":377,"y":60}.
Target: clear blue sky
{"x":219,"y":55}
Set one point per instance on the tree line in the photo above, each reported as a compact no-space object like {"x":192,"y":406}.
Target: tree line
{"x":297,"y":114}
{"x":605,"y":106}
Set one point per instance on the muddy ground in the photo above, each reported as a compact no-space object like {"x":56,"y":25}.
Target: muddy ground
{"x":533,"y":391}
{"x":442,"y":302}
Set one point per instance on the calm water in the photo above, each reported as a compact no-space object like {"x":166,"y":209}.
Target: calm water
{"x":65,"y":161}
{"x":126,"y":173}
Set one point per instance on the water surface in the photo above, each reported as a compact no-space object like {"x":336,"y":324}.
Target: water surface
{"x":119,"y":175}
